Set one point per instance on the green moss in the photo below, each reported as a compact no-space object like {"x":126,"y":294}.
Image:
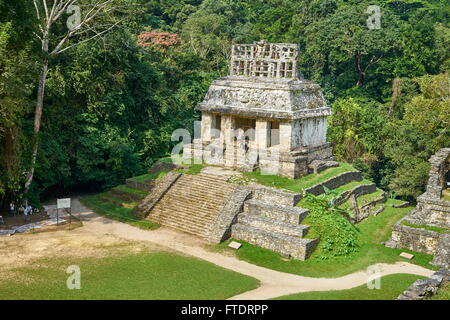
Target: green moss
{"x":390,"y":288}
{"x":351,"y":185}
{"x":150,"y":176}
{"x":127,"y":189}
{"x":367,"y":198}
{"x":193,"y":169}
{"x":298,"y":185}
{"x":430,"y":228}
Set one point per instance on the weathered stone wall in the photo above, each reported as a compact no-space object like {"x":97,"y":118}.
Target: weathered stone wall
{"x":357,"y":191}
{"x":275,"y":211}
{"x":415,"y":239}
{"x":271,"y":220}
{"x":313,"y":131}
{"x":433,"y":212}
{"x":263,"y":94}
{"x":228,"y":216}
{"x":147,"y":187}
{"x":295,"y":247}
{"x":368,"y":209}
{"x":426,"y":288}
{"x":439,"y":163}
{"x":276,"y":196}
{"x":335,"y":182}
{"x":270,"y":224}
{"x":442,"y":255}
{"x":317,"y":166}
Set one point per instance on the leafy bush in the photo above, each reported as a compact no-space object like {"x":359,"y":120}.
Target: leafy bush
{"x":338,"y":237}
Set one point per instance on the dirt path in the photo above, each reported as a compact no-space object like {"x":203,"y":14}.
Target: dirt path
{"x":273,"y":283}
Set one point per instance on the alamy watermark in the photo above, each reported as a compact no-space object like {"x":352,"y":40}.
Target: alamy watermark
{"x":74,"y":20}
{"x":374,"y":19}
{"x":74,"y":280}
{"x":233,"y":147}
{"x":374,"y":278}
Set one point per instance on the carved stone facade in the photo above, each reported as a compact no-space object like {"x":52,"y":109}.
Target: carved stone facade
{"x":432,"y":210}
{"x":263,"y":115}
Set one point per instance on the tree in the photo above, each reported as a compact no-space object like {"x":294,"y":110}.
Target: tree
{"x":343,"y":38}
{"x":424,"y":130}
{"x":49,"y":14}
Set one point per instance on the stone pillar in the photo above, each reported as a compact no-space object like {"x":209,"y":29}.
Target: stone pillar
{"x":262,"y":134}
{"x":227,"y":139}
{"x":207,"y":126}
{"x":286,"y":132}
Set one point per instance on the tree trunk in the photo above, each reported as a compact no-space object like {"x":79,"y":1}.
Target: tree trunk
{"x":37,"y":122}
{"x":361,"y":75}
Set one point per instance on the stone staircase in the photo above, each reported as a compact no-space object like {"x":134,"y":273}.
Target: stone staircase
{"x":193,"y":203}
{"x":270,"y":220}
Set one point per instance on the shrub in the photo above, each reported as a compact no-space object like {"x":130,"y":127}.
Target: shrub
{"x":338,"y":237}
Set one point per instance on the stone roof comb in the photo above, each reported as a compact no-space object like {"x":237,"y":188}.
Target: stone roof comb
{"x":265,"y":60}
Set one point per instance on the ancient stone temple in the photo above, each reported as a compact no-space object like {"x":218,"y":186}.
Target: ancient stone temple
{"x":263,"y":115}
{"x":427,"y":228}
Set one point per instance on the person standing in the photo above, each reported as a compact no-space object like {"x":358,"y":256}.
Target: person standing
{"x":26,"y":214}
{"x":12,"y":208}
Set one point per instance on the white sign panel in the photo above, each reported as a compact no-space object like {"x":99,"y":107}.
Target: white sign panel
{"x":63,"y":203}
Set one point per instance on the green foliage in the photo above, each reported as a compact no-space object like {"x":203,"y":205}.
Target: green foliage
{"x":338,"y":237}
{"x":111,"y":106}
{"x":372,"y":231}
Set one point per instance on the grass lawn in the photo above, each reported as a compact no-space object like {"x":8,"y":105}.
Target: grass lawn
{"x":117,"y":212}
{"x":298,"y":185}
{"x":373,"y":231}
{"x":126,"y":189}
{"x":150,"y":176}
{"x":156,"y":276}
{"x":391,"y":287}
{"x":430,"y":228}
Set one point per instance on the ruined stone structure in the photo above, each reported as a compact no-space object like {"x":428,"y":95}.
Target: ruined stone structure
{"x":433,"y":211}
{"x":263,"y":115}
{"x":208,"y":206}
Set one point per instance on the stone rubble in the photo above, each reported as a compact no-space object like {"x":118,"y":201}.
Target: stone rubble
{"x":426,"y":288}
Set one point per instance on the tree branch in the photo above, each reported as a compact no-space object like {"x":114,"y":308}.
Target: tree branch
{"x":54,"y":53}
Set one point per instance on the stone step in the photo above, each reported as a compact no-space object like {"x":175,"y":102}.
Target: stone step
{"x":318,"y":166}
{"x":198,"y":231}
{"x":272,"y":195}
{"x":295,"y":247}
{"x":182,"y":211}
{"x":199,"y":180}
{"x":188,"y":192}
{"x":293,"y":215}
{"x":184,"y":222}
{"x":204,"y":188}
{"x":200,"y":202}
{"x":263,"y":223}
{"x":193,"y":203}
{"x":334,"y":182}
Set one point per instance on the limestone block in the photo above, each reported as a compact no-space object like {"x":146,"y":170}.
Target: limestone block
{"x":442,"y":255}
